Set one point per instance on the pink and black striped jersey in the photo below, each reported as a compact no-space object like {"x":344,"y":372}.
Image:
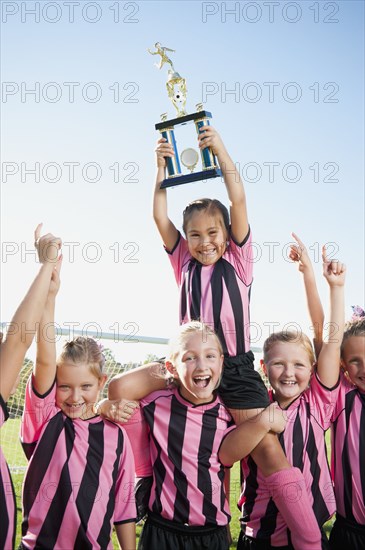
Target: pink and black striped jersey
{"x":80,"y":477}
{"x":184,"y":443}
{"x":218,"y":294}
{"x":7,"y":496}
{"x":303,"y":442}
{"x":348,"y":451}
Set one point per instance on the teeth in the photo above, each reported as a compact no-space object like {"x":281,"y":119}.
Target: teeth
{"x":202,"y":381}
{"x":289,"y":383}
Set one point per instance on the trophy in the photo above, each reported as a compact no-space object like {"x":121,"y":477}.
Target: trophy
{"x":177,"y":91}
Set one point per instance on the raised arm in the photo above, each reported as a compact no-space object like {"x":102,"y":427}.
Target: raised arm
{"x":45,"y":366}
{"x":232,"y":180}
{"x":329,"y":359}
{"x":23,"y":327}
{"x":164,"y":225}
{"x":299,"y":254}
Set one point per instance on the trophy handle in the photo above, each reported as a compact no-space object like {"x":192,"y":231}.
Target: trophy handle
{"x":173,"y":164}
{"x":209,"y":160}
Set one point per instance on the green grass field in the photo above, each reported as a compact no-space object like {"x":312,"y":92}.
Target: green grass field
{"x":13,"y":448}
{"x":10,"y":443}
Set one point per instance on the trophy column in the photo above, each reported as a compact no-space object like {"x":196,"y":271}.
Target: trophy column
{"x":173,"y":164}
{"x":209,"y":160}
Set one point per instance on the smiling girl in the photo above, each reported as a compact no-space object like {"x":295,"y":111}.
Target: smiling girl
{"x":288,"y":361}
{"x":80,"y":476}
{"x":341,"y":370}
{"x":348,"y":439}
{"x":21,"y":332}
{"x":190,"y":443}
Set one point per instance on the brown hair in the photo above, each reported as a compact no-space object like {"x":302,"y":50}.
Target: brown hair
{"x":353,"y":328}
{"x":211,"y":207}
{"x":292,"y":337}
{"x":84,"y":350}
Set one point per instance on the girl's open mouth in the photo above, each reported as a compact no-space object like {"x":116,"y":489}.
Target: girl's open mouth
{"x":202,"y":381}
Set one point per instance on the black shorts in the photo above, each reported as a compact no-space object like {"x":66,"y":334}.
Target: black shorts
{"x":248,"y":543}
{"x":241,"y":386}
{"x":347,"y":534}
{"x":142,"y":492}
{"x":159,"y":533}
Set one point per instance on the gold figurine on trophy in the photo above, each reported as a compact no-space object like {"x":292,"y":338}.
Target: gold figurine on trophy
{"x":176,"y":85}
{"x":177,"y":91}
{"x":160,"y":50}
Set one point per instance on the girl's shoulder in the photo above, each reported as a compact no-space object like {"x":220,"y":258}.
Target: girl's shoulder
{"x":158,"y":395}
{"x":109,"y":425}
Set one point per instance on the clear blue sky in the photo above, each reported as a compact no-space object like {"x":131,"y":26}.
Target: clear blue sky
{"x":293,"y":122}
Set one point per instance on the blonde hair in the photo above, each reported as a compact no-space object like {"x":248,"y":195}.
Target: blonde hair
{"x":84,"y":350}
{"x":353,"y":328}
{"x":289,"y":337}
{"x":184,"y":332}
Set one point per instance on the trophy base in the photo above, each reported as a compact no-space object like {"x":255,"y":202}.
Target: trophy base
{"x":188,"y":178}
{"x":182,"y":120}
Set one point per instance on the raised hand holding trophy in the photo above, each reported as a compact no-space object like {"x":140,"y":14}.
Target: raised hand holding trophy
{"x":177,"y":91}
